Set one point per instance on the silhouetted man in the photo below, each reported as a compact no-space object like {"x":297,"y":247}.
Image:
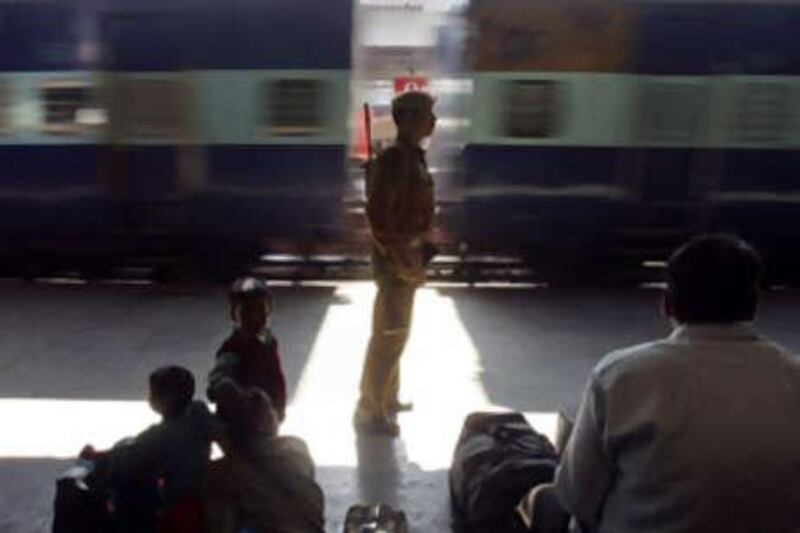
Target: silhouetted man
{"x":698,"y":431}
{"x":400,"y":206}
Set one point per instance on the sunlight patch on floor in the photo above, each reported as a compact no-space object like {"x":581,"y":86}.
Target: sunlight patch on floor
{"x":59,"y":428}
{"x":441,"y":374}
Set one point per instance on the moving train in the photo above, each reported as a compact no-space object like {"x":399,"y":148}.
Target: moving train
{"x":600,"y":132}
{"x":191,"y":129}
{"x":603,"y":133}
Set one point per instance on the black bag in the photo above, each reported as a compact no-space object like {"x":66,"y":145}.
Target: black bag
{"x":498,"y":459}
{"x":79,"y":507}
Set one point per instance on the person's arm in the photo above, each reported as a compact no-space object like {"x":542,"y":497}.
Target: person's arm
{"x":393,"y":175}
{"x":136,"y":458}
{"x":586,"y":469}
{"x":222,"y":378}
{"x":382,"y":198}
{"x":277,"y":391}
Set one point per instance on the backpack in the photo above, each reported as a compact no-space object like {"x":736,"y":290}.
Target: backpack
{"x":497,"y":460}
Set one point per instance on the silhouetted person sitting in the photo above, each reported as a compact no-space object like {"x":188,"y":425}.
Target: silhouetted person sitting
{"x":698,"y":431}
{"x":265,"y":483}
{"x":157,"y":474}
{"x":249,"y":356}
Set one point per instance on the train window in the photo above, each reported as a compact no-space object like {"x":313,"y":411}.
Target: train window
{"x":532,"y":109}
{"x":149,"y":108}
{"x":294,"y":107}
{"x":63,"y":104}
{"x":763,"y":112}
{"x":671,"y":111}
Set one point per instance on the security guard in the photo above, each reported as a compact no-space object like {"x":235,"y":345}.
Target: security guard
{"x":400,"y":208}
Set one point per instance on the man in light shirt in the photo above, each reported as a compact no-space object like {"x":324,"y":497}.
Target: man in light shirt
{"x":699,"y":431}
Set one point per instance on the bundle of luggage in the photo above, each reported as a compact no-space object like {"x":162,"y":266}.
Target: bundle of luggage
{"x":498,"y":461}
{"x":78,"y":506}
{"x":499,"y":477}
{"x":83,"y":504}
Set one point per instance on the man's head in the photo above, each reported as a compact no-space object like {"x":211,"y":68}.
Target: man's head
{"x":413,"y":114}
{"x":251,"y":304}
{"x":713,"y":279}
{"x":171,"y":390}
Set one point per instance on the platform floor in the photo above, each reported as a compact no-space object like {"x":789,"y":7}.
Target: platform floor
{"x":74,"y":362}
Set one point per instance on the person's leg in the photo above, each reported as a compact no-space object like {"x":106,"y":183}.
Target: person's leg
{"x":136,"y":506}
{"x":220,"y":511}
{"x":397,"y":302}
{"x":541,"y":510}
{"x":402,"y":307}
{"x":391,"y":321}
{"x":370,"y":401}
{"x":186,"y":515}
{"x":393,"y":388}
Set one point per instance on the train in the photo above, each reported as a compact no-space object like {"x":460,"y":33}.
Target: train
{"x":597,"y":134}
{"x":189,"y":130}
{"x":604,"y":133}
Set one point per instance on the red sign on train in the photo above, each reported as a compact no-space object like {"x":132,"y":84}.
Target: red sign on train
{"x":404,"y":84}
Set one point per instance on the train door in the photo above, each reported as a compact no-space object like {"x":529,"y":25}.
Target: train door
{"x":150,"y":161}
{"x":671,"y":163}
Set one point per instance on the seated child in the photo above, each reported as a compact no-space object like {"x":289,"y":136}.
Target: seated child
{"x":159,"y":470}
{"x":249,"y":357}
{"x":264,"y":482}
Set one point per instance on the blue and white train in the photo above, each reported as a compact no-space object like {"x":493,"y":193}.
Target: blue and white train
{"x":605,"y":132}
{"x":602,"y":132}
{"x":194,"y":128}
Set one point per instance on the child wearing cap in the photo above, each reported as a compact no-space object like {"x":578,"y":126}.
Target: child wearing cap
{"x":249,"y":357}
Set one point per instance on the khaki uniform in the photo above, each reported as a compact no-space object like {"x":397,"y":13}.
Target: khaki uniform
{"x":400,"y":208}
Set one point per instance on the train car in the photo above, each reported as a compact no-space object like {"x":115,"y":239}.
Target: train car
{"x":603,"y":133}
{"x":188,"y":129}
